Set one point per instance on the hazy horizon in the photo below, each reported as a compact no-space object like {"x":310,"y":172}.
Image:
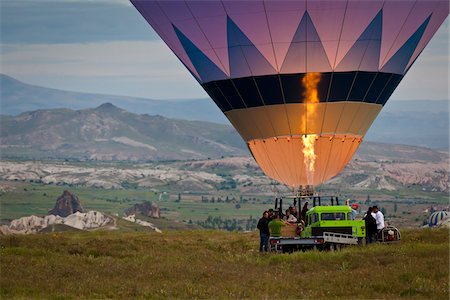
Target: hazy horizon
{"x":206,"y":98}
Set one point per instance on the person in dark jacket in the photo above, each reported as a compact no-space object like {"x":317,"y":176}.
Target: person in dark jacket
{"x":263,"y":226}
{"x":304,"y":210}
{"x":371,"y":227}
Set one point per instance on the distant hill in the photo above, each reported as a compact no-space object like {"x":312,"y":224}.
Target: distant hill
{"x":420,"y":123}
{"x":369,"y":151}
{"x":111,"y":133}
{"x":18,"y":97}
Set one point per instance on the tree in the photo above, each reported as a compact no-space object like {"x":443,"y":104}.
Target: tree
{"x":238,"y":206}
{"x":395,"y":208}
{"x":368,"y":200}
{"x":383,"y":211}
{"x":179,"y":197}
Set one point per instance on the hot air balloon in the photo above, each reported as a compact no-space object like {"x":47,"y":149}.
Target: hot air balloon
{"x":436,"y":217}
{"x":301,"y":81}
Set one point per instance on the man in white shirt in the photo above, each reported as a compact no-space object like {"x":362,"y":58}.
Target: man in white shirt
{"x":379,"y":217}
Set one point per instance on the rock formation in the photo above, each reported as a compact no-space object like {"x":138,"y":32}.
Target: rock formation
{"x":146,"y":208}
{"x":66,"y":204}
{"x":33,"y":224}
{"x":156,"y":213}
{"x":132,"y":218}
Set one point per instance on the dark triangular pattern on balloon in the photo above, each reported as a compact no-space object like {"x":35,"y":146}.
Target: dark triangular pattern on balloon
{"x":398,"y":62}
{"x":365,"y":53}
{"x":207,"y":70}
{"x":297,"y":54}
{"x":243,"y":54}
{"x":411,"y":64}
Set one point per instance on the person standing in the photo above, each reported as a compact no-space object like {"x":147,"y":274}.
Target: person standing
{"x":304,"y":211}
{"x":354,"y":208}
{"x":263,"y":226}
{"x":371,"y":227}
{"x":379,"y":218}
{"x":275,"y":226}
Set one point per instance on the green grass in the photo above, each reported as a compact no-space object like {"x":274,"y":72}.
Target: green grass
{"x":216,"y":264}
{"x":33,"y":198}
{"x":200,"y":211}
{"x":36,"y":198}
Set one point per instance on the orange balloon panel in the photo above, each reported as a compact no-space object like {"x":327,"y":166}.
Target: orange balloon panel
{"x":284,"y":160}
{"x":341,"y":118}
{"x":304,"y":143}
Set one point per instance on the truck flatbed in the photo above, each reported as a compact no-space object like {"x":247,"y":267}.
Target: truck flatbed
{"x":329,"y":240}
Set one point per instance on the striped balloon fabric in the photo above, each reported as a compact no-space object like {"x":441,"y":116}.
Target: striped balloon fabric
{"x":436,"y":217}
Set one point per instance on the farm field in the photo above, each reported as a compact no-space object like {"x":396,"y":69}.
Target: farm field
{"x":25,"y":198}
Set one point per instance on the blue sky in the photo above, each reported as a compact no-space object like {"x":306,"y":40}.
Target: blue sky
{"x":105,"y":46}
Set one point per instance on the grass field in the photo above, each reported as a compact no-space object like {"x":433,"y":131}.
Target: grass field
{"x":28,"y":198}
{"x":217,"y":264}
{"x":31,"y":198}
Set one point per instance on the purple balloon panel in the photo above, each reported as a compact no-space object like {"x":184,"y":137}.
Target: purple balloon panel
{"x":358,"y":16}
{"x":284,"y":37}
{"x":440,"y":12}
{"x":364,"y":53}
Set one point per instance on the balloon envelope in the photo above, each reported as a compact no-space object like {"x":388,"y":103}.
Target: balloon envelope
{"x":301,"y":81}
{"x":437,"y":217}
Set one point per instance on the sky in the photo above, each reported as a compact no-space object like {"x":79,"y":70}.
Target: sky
{"x":106,"y":46}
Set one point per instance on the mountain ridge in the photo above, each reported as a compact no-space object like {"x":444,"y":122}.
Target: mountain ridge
{"x":108,"y":132}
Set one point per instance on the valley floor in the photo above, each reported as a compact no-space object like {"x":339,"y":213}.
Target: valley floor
{"x":217,"y":264}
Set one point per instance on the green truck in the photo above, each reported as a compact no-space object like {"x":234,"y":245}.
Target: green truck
{"x":336,"y":219}
{"x":326,"y":227}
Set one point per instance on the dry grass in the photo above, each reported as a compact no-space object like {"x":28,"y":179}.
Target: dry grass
{"x":214,"y":264}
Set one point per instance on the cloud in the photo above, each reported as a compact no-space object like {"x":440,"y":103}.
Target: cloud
{"x":121,"y":2}
{"x":429,"y":76}
{"x":28,"y":22}
{"x":134,"y":68}
{"x":122,"y":58}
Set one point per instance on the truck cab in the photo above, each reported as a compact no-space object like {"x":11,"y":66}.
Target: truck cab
{"x":334,"y":219}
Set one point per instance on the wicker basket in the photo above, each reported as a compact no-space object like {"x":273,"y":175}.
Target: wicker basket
{"x":288,"y":230}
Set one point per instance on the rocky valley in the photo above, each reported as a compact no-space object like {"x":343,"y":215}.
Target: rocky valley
{"x":375,"y":167}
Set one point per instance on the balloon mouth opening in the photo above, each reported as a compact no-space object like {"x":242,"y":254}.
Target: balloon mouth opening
{"x":287,"y":160}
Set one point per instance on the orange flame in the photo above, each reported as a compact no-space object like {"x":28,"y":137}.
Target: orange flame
{"x":310,"y":82}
